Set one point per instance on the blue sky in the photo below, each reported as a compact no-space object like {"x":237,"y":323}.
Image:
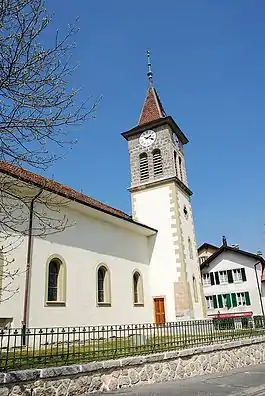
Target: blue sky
{"x":208,"y":61}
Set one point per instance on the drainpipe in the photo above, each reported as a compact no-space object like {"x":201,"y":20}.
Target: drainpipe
{"x":260,"y":297}
{"x":28,"y":269}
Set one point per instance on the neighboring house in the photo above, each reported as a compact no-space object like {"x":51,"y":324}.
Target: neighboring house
{"x":233,"y":282}
{"x":205,"y":251}
{"x":109,"y":267}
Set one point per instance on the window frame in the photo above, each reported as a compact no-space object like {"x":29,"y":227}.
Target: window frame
{"x":195,"y":289}
{"x":202,"y":259}
{"x":176,"y":163}
{"x":143,"y":167}
{"x":223,"y":282}
{"x":190,"y":249}
{"x":140,"y":289}
{"x":204,"y":276}
{"x":106,"y":286}
{"x":180,"y":168}
{"x":61,"y":282}
{"x":241,"y":299}
{"x":157,"y":162}
{"x":237,"y":271}
{"x":209,"y":302}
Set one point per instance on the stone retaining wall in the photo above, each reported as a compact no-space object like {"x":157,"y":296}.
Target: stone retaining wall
{"x":126,"y":372}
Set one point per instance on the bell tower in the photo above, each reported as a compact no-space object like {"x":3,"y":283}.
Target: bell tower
{"x":161,"y":199}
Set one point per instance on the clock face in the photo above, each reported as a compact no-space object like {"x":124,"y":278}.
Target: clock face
{"x":147,"y":138}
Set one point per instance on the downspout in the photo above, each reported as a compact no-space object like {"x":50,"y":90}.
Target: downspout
{"x":260,"y":297}
{"x":28,"y":269}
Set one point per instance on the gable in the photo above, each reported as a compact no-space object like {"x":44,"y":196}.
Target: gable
{"x":229,"y":260}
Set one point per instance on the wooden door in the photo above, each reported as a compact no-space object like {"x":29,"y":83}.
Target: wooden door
{"x":159,"y":304}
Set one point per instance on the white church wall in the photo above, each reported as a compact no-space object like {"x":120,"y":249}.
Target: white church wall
{"x":152,"y":207}
{"x":12,"y":293}
{"x":82,"y":247}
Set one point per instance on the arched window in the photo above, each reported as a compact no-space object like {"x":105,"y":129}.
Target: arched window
{"x":195,"y":290}
{"x":180,"y":168}
{"x":176,"y":163}
{"x":103,"y":285}
{"x":190,"y":249}
{"x":157,"y":162}
{"x":56,"y":281}
{"x":138,"y":294}
{"x":144,"y":172}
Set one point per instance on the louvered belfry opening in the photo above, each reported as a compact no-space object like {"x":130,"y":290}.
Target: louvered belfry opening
{"x":157,"y":162}
{"x":180,"y":169}
{"x":144,"y":171}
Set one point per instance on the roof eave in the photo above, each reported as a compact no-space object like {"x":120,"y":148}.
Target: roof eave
{"x":47,"y":188}
{"x":156,"y":123}
{"x":207,"y":245}
{"x":222,"y":249}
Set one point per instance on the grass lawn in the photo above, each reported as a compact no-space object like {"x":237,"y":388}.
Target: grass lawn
{"x":96,"y":350}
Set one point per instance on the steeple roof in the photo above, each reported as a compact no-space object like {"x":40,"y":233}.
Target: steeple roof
{"x":153,"y":112}
{"x":152,"y":109}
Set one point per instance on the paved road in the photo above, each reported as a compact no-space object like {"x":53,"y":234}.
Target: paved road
{"x":240,"y":382}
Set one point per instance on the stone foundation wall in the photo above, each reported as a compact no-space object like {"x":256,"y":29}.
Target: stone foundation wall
{"x":126,"y":372}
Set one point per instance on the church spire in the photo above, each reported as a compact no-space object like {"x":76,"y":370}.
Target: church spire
{"x":152,"y":109}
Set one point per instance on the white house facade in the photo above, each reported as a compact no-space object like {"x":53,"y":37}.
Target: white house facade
{"x":108,"y":267}
{"x":233,"y":282}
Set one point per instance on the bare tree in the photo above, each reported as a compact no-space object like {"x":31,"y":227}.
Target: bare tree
{"x":37,"y":105}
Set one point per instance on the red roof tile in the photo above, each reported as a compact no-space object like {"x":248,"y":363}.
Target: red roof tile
{"x":152,"y":109}
{"x":58,"y":188}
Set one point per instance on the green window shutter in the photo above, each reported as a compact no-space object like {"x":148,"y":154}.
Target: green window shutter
{"x":234,"y":302}
{"x":243,"y":272}
{"x":215,"y":302}
{"x":212,"y":278}
{"x":230,"y":276}
{"x":228,"y":301}
{"x":217,"y":281}
{"x":247,"y":298}
{"x":220,"y":301}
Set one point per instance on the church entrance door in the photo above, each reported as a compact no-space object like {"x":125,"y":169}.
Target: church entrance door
{"x":159,"y":306}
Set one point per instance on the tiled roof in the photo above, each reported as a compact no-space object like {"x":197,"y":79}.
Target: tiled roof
{"x":206,"y":245}
{"x":152,"y":109}
{"x":231,"y":250}
{"x":58,"y":188}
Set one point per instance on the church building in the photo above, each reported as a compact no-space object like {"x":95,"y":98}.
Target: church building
{"x":110,"y":267}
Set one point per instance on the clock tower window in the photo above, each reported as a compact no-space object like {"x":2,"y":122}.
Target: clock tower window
{"x":157,"y":162}
{"x":144,"y":171}
{"x":180,"y":169}
{"x":176,"y":163}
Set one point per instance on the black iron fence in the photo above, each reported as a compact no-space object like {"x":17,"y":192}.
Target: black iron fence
{"x":42,"y":347}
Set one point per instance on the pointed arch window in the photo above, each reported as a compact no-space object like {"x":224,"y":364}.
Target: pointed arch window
{"x":180,"y":169}
{"x":138,"y":293}
{"x":144,"y":171}
{"x":157,"y":162}
{"x":190,"y":248}
{"x":103,"y":285}
{"x":56,"y":282}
